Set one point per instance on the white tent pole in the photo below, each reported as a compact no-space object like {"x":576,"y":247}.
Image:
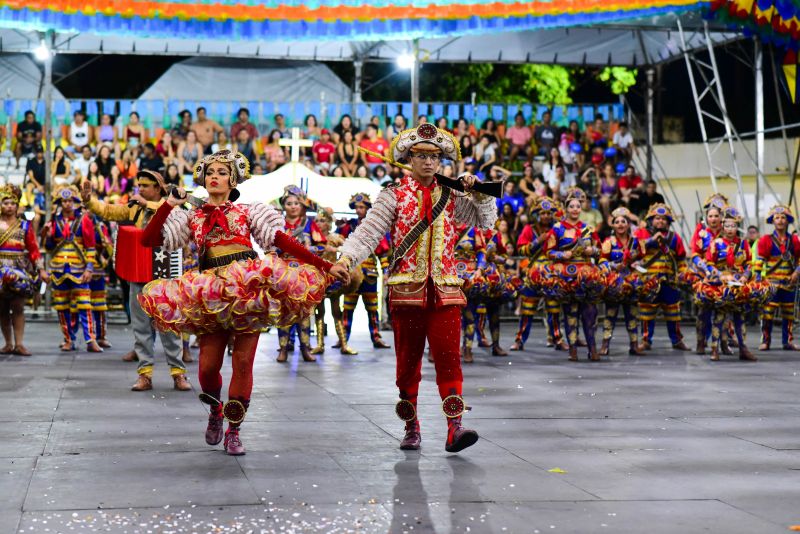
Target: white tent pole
{"x":759,"y":71}
{"x":650,"y":137}
{"x":415,"y":84}
{"x":48,"y":136}
{"x":358,"y":64}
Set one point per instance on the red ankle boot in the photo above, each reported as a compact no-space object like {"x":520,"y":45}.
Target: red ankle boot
{"x":413,"y":439}
{"x":458,"y":437}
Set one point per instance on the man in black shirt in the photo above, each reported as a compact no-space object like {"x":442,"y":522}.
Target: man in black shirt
{"x":545,"y":135}
{"x":34,"y":170}
{"x":150,"y":160}
{"x":639,"y":205}
{"x":29,"y":135}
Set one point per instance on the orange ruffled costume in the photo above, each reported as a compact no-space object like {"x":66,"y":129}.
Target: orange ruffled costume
{"x":244,"y":296}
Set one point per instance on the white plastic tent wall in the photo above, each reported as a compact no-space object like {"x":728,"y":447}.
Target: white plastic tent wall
{"x":21,"y":77}
{"x":205,"y":78}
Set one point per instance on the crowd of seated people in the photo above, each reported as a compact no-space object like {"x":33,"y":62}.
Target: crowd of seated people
{"x":535,"y":157}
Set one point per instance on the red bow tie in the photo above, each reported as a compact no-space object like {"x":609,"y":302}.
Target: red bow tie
{"x":216,"y":215}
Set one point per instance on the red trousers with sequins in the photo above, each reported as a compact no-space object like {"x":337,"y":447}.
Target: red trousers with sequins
{"x":441,"y":326}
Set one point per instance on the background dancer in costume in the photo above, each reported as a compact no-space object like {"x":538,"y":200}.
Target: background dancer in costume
{"x":665,"y":259}
{"x":425,"y":289}
{"x":778,"y":262}
{"x":235,"y":295}
{"x":304,"y":229}
{"x":470,"y":256}
{"x":531,"y":243}
{"x":138,"y":212}
{"x":727,"y":285}
{"x":21,"y":267}
{"x":97,"y":285}
{"x":71,"y":242}
{"x":619,"y":253}
{"x":335,"y":291}
{"x":706,"y":232}
{"x":572,"y":246}
{"x":497,"y":286}
{"x":368,"y":290}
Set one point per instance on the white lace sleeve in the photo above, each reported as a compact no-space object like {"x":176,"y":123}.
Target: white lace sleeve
{"x":378,"y":222}
{"x":176,"y":232}
{"x":476,"y":209}
{"x":264,"y":221}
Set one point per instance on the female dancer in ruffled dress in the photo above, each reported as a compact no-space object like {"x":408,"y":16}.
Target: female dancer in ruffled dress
{"x":20,"y":259}
{"x":234,"y":293}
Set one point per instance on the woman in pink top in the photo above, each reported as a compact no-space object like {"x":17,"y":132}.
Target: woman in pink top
{"x":519,"y":136}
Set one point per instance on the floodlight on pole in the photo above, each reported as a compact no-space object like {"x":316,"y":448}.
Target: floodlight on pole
{"x":406,"y":61}
{"x":41,"y":52}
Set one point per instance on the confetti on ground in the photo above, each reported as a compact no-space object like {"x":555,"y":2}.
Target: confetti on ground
{"x":557,"y":470}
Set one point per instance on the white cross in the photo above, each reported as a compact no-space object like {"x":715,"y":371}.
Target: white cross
{"x":295,"y":142}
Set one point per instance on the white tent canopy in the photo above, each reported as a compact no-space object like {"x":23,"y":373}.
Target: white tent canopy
{"x":217,"y":79}
{"x":633,"y":42}
{"x":21,"y":77}
{"x":329,"y":192}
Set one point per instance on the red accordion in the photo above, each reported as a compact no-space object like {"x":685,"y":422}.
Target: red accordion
{"x":139,"y":264}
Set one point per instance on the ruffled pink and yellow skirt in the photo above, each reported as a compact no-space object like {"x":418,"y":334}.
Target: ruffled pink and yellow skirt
{"x":244,"y":296}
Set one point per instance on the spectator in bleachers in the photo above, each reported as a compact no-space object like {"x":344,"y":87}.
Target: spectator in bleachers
{"x":337,"y":172}
{"x":553,"y":160}
{"x":560,"y":181}
{"x":167,"y":149}
{"x":29,"y":136}
{"x":104,"y":161}
{"x":135,"y":134}
{"x":464,"y":128}
{"x":311,"y":131}
{"x":448,"y":170}
{"x":511,"y":197}
{"x":61,"y":168}
{"x":257,"y":169}
{"x":324,"y":152}
{"x":526,"y":182}
{"x":127,"y":165}
{"x":189,"y":153}
{"x":508,"y":235}
{"x":96,"y":179}
{"x":379,"y":174}
{"x":546,"y":134}
{"x":362,"y":172}
{"x":377,"y":122}
{"x":591,"y":216}
{"x":35,"y":169}
{"x":81,"y":163}
{"x":441,"y":123}
{"x":80,"y":133}
{"x":247,"y":147}
{"x":519,"y":138}
{"x":467,"y":150}
{"x":172,"y":175}
{"x":596,"y":133}
{"x":115,"y":185}
{"x":206,"y":130}
{"x":243,"y":122}
{"x":489,"y":127}
{"x":345,"y":125}
{"x":486,"y":152}
{"x":105,"y":134}
{"x":348,"y":153}
{"x":651,"y":196}
{"x":630,"y":186}
{"x":280,"y":125}
{"x":609,"y":190}
{"x":471,"y":167}
{"x":623,"y":142}
{"x":181,"y":130}
{"x":33,"y":201}
{"x":274,"y":153}
{"x":422,"y":119}
{"x":223,"y":143}
{"x":373,"y":143}
{"x":150,"y":160}
{"x":572,"y":146}
{"x":589,"y":179}
{"x":398,"y":125}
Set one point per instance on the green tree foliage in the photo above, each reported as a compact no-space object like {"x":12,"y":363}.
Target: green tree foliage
{"x":548,"y":84}
{"x":618,"y":79}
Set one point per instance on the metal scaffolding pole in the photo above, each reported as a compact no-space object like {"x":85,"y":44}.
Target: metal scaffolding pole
{"x":650,"y":126}
{"x":415,"y":83}
{"x":47,"y":135}
{"x":759,"y":72}
{"x":358,"y":66}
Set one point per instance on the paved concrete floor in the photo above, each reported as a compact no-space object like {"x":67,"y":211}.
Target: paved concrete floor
{"x":666,"y":443}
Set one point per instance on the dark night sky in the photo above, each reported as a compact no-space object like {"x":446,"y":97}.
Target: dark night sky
{"x":128,"y":76}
